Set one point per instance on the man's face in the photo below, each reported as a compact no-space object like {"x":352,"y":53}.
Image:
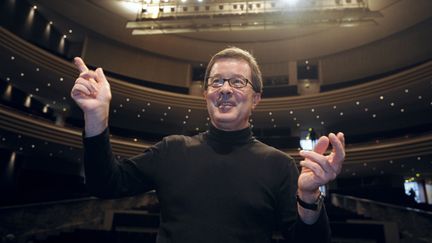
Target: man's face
{"x":229,"y":108}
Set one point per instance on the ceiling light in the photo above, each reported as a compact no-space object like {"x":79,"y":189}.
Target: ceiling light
{"x":225,"y":17}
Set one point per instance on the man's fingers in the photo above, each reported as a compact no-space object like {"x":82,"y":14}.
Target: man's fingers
{"x":322,"y":145}
{"x":79,"y":89}
{"x":338,"y":146}
{"x":319,"y":159}
{"x":341,"y":138}
{"x":100,"y":76}
{"x":79,"y":63}
{"x":90,"y":85}
{"x":314,"y":167}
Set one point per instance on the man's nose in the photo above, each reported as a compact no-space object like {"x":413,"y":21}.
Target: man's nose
{"x":226,"y":88}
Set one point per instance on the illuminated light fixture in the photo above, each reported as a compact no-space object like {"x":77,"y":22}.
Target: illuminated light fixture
{"x":64,"y":36}
{"x":186,"y":17}
{"x":27,"y":102}
{"x":34,"y":7}
{"x":45,"y":109}
{"x":50,"y":23}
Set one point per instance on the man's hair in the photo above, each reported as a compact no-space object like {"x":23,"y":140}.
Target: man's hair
{"x":240,"y":54}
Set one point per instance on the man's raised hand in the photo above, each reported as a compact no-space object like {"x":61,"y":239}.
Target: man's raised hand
{"x":92,"y":94}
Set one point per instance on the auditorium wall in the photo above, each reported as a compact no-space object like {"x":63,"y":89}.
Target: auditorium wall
{"x":399,"y":50}
{"x":135,"y":63}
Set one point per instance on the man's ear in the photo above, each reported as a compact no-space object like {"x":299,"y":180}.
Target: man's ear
{"x":256,"y":99}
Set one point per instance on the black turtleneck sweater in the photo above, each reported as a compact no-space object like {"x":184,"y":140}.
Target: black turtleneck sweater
{"x":216,"y":186}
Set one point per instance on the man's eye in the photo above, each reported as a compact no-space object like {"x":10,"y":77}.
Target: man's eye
{"x":218,"y":81}
{"x":237,"y":81}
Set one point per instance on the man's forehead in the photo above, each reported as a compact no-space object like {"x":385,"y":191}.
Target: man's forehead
{"x":228,"y":68}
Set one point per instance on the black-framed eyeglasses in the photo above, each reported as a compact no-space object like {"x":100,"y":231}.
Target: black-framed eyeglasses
{"x":235,"y":82}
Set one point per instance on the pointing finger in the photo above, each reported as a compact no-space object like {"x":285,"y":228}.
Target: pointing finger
{"x":79,"y":63}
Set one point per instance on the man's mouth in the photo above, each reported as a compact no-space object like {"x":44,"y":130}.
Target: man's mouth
{"x":224,"y":104}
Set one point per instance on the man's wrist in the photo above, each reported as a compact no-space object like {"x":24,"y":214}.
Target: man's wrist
{"x":315,"y":206}
{"x":309,"y":196}
{"x":95,"y":123}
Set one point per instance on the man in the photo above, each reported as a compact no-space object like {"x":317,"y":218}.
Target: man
{"x":222,"y":185}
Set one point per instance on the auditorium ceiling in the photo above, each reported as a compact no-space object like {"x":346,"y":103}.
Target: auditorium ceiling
{"x":297,"y":41}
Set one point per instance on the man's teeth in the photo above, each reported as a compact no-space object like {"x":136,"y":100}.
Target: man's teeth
{"x":225,"y":104}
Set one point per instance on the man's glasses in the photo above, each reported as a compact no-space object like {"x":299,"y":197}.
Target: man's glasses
{"x":237,"y":82}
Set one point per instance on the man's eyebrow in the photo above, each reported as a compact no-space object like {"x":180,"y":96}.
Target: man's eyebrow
{"x":231,"y":76}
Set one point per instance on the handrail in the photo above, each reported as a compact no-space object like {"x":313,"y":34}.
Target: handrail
{"x":413,"y":223}
{"x":364,"y":200}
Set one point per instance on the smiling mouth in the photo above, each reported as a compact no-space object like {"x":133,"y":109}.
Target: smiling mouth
{"x":222,"y":105}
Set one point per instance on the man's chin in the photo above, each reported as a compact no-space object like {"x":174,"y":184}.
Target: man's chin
{"x":224,"y":117}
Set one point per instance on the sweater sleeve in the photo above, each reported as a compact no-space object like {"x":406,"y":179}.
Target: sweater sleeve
{"x":108,"y":177}
{"x":291,"y":225}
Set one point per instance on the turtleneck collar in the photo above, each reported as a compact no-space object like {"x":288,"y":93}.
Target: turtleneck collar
{"x":238,"y":137}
